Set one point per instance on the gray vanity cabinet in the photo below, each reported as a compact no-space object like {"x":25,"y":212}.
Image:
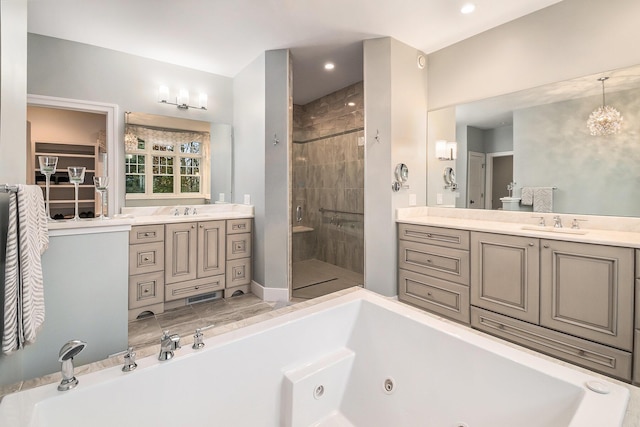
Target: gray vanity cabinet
{"x":195,"y":258}
{"x":434,"y":269}
{"x":588,"y":291}
{"x":505,"y":275}
{"x":181,"y":246}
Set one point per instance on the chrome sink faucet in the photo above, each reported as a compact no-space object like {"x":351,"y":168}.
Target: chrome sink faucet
{"x":186,"y":210}
{"x":557,"y":221}
{"x":168,"y":344}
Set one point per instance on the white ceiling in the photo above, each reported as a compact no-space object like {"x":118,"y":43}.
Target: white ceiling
{"x":224,"y":36}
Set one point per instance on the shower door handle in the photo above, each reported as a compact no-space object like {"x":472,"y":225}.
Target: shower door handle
{"x":299,"y":213}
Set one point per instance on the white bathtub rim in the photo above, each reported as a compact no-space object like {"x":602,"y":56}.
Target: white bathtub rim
{"x":617,"y":399}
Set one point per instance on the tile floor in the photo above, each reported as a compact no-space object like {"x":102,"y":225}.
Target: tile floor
{"x":185,"y":320}
{"x":313,"y":278}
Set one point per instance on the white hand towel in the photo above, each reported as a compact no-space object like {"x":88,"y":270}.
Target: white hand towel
{"x":27,"y":239}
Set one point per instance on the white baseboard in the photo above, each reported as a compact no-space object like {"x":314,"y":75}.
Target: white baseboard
{"x":269,"y":294}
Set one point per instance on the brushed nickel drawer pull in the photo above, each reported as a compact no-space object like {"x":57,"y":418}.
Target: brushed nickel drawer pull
{"x":530,"y":244}
{"x":429,"y":294}
{"x":546,"y":246}
{"x":146,"y":291}
{"x":145,"y":259}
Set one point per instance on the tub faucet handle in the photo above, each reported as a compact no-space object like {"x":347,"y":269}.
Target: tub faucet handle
{"x":129,"y":360}
{"x":198,"y":338}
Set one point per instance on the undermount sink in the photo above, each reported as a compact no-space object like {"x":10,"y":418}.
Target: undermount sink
{"x":549,"y":229}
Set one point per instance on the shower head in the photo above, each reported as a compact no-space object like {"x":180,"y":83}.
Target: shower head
{"x":71,"y":349}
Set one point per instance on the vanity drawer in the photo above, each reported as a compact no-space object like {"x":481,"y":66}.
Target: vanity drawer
{"x":146,"y":258}
{"x":146,"y":234}
{"x":438,"y":296}
{"x":444,"y":263}
{"x":238,"y":246}
{"x":146,"y":289}
{"x":609,"y":361}
{"x":176,"y":291}
{"x":447,"y":237}
{"x":235,"y":226}
{"x":238,"y":272}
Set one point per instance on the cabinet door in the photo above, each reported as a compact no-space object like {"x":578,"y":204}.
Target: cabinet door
{"x":211,"y":246}
{"x":181,"y":244}
{"x":587,"y":290}
{"x":505,"y":275}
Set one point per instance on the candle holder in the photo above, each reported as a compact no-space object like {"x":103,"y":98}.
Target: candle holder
{"x":76,"y":177}
{"x":48,"y":166}
{"x":101,"y":183}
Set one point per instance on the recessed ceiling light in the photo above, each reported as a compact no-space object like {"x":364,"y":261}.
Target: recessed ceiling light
{"x":329,"y":66}
{"x":468,"y":8}
{"x":351,"y":104}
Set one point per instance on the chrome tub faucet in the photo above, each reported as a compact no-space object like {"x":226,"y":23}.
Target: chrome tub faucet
{"x":168,"y":344}
{"x":67,"y":353}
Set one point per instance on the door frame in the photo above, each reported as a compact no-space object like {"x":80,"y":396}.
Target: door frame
{"x":488,"y":193}
{"x":114,"y":151}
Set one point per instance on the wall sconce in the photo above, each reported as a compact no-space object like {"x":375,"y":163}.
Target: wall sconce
{"x":446,"y":150}
{"x":182,"y":100}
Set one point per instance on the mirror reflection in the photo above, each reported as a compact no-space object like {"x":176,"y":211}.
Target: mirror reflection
{"x":539,"y":139}
{"x":170,"y":160}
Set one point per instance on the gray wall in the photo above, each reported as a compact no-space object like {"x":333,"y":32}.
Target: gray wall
{"x":498,"y":140}
{"x":278,"y":116}
{"x":249,"y":152}
{"x":86,"y":298}
{"x":395,"y":111}
{"x":569,"y":39}
{"x":13,"y":116}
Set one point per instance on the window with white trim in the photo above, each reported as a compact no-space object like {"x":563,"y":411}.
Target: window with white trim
{"x":167,"y":163}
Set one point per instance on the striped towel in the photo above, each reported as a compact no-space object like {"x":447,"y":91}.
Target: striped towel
{"x":27,"y":239}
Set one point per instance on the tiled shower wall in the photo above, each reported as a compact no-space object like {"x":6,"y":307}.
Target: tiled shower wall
{"x":328,"y":172}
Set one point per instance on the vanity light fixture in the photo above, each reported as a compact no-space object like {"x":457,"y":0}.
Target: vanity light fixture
{"x":182,"y":100}
{"x":604,"y":120}
{"x":446,"y":150}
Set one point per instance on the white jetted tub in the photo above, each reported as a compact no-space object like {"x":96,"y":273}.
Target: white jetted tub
{"x":357,"y":360}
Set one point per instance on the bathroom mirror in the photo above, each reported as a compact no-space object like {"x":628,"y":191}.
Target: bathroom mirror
{"x":545,"y":131}
{"x":214,"y":176}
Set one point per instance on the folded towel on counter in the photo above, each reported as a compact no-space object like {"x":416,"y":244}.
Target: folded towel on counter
{"x":541,"y":198}
{"x":27,"y":239}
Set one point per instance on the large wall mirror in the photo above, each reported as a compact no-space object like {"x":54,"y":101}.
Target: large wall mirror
{"x":170,"y":160}
{"x":539,"y":138}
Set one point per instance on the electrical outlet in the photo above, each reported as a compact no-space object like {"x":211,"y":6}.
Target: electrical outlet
{"x":413,"y":200}
{"x":221,"y":197}
{"x":247,"y":199}
{"x":361,"y":141}
{"x":439,"y":198}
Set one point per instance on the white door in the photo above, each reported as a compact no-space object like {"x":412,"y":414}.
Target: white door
{"x":476,"y":180}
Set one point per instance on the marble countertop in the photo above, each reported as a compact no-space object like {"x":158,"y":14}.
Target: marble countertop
{"x":594,"y":230}
{"x":149,"y":215}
